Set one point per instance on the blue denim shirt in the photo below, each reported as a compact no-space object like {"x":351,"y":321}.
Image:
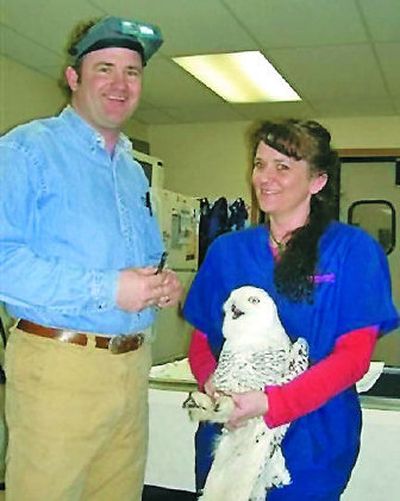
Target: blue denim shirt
{"x":71,"y":216}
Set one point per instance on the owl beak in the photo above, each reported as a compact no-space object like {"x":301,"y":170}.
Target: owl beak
{"x":236,"y":313}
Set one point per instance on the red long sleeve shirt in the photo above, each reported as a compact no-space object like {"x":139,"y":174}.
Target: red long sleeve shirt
{"x":347,"y":363}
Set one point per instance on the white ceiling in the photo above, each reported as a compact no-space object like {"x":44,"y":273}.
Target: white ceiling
{"x":341,"y":56}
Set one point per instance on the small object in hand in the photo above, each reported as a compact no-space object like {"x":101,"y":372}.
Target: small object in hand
{"x":162,"y":262}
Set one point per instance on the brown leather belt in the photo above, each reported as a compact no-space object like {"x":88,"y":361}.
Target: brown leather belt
{"x":116,"y":344}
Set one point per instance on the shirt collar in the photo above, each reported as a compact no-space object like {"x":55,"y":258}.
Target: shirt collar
{"x":89,"y":133}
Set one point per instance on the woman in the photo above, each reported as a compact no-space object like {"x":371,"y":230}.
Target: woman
{"x":331,"y":284}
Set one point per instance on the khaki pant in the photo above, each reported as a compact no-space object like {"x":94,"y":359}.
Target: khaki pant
{"x":78,"y":421}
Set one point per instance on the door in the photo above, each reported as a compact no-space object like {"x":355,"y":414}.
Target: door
{"x":374,"y":180}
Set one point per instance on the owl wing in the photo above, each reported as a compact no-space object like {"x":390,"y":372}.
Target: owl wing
{"x":297,"y":360}
{"x":296,"y":363}
{"x":250,"y":370}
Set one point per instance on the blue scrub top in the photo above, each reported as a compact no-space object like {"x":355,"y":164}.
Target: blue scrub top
{"x":353,"y":290}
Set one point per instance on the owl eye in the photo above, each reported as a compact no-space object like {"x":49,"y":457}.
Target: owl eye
{"x":253,"y":300}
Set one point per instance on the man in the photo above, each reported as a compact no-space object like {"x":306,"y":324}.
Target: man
{"x":79,"y":249}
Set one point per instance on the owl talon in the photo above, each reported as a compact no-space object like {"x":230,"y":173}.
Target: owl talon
{"x":223,"y":409}
{"x":199,"y":406}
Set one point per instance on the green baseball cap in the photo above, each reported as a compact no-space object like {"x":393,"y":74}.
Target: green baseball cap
{"x":114,"y":31}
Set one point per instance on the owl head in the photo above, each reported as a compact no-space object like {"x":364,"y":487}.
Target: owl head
{"x":251,"y":319}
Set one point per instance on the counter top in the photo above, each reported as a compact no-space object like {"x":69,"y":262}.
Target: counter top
{"x":380,"y":403}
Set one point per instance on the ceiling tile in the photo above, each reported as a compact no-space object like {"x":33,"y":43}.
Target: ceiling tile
{"x":207,"y":113}
{"x":54,"y":72}
{"x":167,"y":84}
{"x":396,"y":103}
{"x":188,"y":27}
{"x":354,"y":107}
{"x":341,"y":56}
{"x":153,"y":116}
{"x":47,"y":22}
{"x":331,"y":72}
{"x":382,"y":19}
{"x":26,"y":51}
{"x":266,"y":111}
{"x":300,"y":23}
{"x":389,"y":56}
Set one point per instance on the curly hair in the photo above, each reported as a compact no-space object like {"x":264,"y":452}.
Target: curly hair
{"x":76,"y":34}
{"x":310,"y":141}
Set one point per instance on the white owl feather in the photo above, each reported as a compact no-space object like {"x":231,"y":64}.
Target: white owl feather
{"x":257,"y":352}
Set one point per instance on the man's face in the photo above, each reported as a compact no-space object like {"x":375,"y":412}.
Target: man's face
{"x":109,"y":87}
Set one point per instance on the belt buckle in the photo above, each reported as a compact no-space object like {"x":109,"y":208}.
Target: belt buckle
{"x":120,"y":343}
{"x":115,"y":343}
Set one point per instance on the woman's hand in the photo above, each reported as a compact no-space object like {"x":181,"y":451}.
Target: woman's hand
{"x":210,"y":389}
{"x":247,"y":405}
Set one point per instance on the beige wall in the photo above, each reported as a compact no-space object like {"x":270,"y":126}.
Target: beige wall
{"x":136,"y":130}
{"x":211,"y":159}
{"x":364,"y":132}
{"x":25,"y":95}
{"x":208,"y":159}
{"x":204,"y":159}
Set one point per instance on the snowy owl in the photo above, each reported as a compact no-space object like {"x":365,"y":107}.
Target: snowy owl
{"x":256,"y":352}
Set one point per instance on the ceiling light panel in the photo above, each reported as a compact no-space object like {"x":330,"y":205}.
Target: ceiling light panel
{"x":239,"y":77}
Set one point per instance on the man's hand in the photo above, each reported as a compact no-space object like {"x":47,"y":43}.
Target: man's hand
{"x":139,"y":288}
{"x":174,"y":289}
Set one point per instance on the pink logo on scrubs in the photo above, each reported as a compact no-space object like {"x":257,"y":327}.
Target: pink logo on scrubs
{"x":325,"y":278}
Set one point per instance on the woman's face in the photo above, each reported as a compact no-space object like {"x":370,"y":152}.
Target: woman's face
{"x":284,"y":185}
